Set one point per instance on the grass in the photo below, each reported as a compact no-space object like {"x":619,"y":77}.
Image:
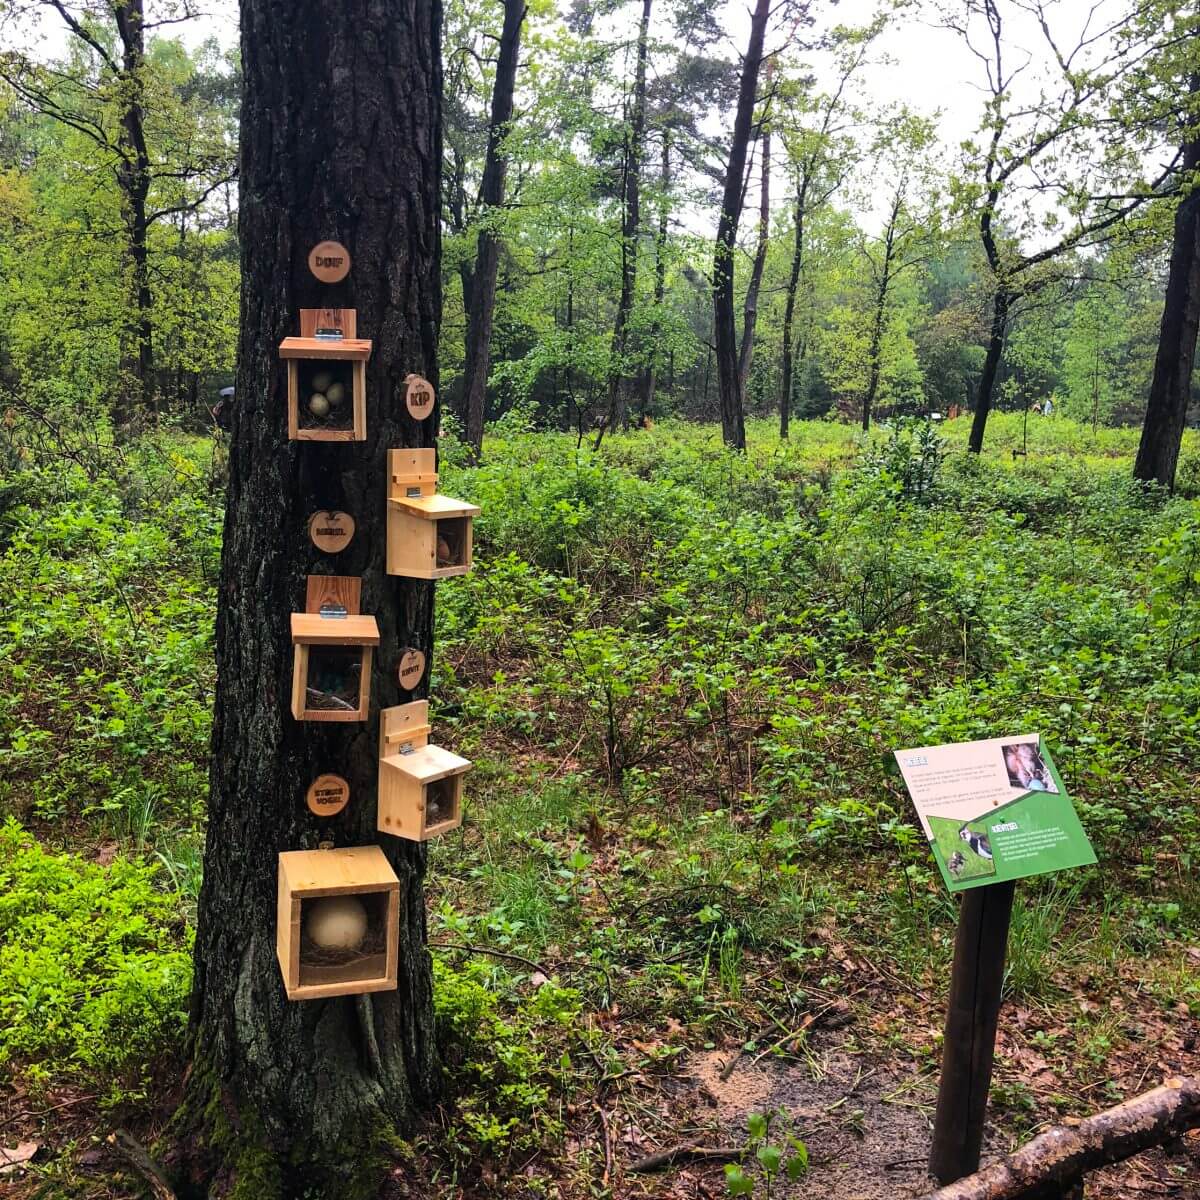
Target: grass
{"x":680,"y":674}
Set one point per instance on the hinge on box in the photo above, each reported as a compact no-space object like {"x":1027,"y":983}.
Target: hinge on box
{"x":412,"y":492}
{"x":331,"y":611}
{"x":324,"y":333}
{"x":406,"y":748}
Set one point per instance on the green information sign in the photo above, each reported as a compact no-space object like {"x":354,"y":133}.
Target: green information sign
{"x":994,"y":810}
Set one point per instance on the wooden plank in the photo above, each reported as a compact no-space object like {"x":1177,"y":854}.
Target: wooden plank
{"x":427,"y":763}
{"x":347,"y":871}
{"x":970,"y":1040}
{"x":435,"y":506}
{"x":343,"y":350}
{"x":344,"y":590}
{"x":411,"y":465}
{"x":345,"y":319}
{"x":312,"y":629}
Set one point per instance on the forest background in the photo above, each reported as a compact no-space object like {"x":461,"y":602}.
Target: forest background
{"x":678,"y":670}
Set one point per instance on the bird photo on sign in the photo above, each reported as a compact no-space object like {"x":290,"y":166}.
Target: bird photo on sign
{"x":994,"y":810}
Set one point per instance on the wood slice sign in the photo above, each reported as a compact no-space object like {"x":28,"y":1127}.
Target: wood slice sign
{"x":411,"y":669}
{"x":331,"y":531}
{"x":328,"y":795}
{"x":329,"y":262}
{"x":418,"y":396}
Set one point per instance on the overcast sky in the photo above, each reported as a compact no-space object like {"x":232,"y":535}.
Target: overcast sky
{"x":922,"y":64}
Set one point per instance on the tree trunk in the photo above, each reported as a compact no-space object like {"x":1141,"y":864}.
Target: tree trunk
{"x":1171,"y":387}
{"x":291,"y":1098}
{"x":1001,"y":300}
{"x":631,"y":177}
{"x":650,"y":373}
{"x":883,"y":283}
{"x":750,"y":306}
{"x":789,"y":312}
{"x":487,"y":255}
{"x":133,"y":182}
{"x":733,"y":420}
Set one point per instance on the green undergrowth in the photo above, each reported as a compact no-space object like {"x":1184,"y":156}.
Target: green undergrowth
{"x":681,"y":674}
{"x":95,"y":966}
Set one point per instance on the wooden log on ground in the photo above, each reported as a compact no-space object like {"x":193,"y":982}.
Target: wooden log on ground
{"x":1054,"y":1162}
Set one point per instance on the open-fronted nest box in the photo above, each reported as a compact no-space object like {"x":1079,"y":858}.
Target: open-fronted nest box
{"x":327,"y":377}
{"x":338,"y":922}
{"x":333,"y":644}
{"x":429,"y":536}
{"x":420,"y":785}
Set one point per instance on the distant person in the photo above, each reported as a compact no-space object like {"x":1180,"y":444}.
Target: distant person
{"x":1048,"y":407}
{"x":222,"y":411}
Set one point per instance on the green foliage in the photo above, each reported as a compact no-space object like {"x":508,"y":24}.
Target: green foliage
{"x":775,"y":1162}
{"x":95,"y":966}
{"x":503,"y":1066}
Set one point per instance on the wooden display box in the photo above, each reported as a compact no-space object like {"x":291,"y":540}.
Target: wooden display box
{"x":420,"y":785}
{"x":327,"y":377}
{"x":333,"y":646}
{"x":308,"y":876}
{"x":429,"y":536}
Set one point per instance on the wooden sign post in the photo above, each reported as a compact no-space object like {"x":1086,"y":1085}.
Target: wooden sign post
{"x":970,"y":1040}
{"x":994,"y":811}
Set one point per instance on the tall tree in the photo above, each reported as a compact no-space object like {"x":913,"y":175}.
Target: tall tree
{"x":481,"y":301}
{"x":105,"y":97}
{"x":305,"y":1094}
{"x":733,"y":420}
{"x":750,"y":304}
{"x":1171,"y":386}
{"x":1057,"y":168}
{"x":909,"y":223}
{"x":631,"y":221}
{"x":650,"y":369}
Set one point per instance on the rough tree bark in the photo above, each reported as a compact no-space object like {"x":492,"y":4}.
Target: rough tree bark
{"x":733,"y":420}
{"x":1001,"y":301}
{"x":341,"y":138}
{"x":750,"y":305}
{"x":789,"y":311}
{"x":487,"y":254}
{"x":631,"y":179}
{"x":1171,"y":386}
{"x":1052,"y":1165}
{"x":133,"y":182}
{"x":650,"y":372}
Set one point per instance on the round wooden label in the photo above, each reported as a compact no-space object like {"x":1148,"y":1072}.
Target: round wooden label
{"x":329,"y":262}
{"x":331,"y":531}
{"x":328,"y":795}
{"x":411,"y":669}
{"x":418,"y":396}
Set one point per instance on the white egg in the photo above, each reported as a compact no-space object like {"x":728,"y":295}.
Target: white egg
{"x":336,"y":922}
{"x":335,"y":393}
{"x":321,"y":380}
{"x":318,"y":405}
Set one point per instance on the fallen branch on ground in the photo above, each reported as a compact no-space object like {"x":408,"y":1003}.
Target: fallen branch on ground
{"x":133,"y":1151}
{"x":684,"y":1154}
{"x":1057,"y":1160}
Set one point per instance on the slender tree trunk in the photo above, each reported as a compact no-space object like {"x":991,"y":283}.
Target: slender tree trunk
{"x":305,"y":1094}
{"x":750,"y":306}
{"x":733,"y":420}
{"x":630,"y":227}
{"x":883,"y":283}
{"x":133,"y":182}
{"x":789,"y":311}
{"x":1171,"y":386}
{"x":1001,"y":300}
{"x":487,"y":255}
{"x":649,"y":374}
